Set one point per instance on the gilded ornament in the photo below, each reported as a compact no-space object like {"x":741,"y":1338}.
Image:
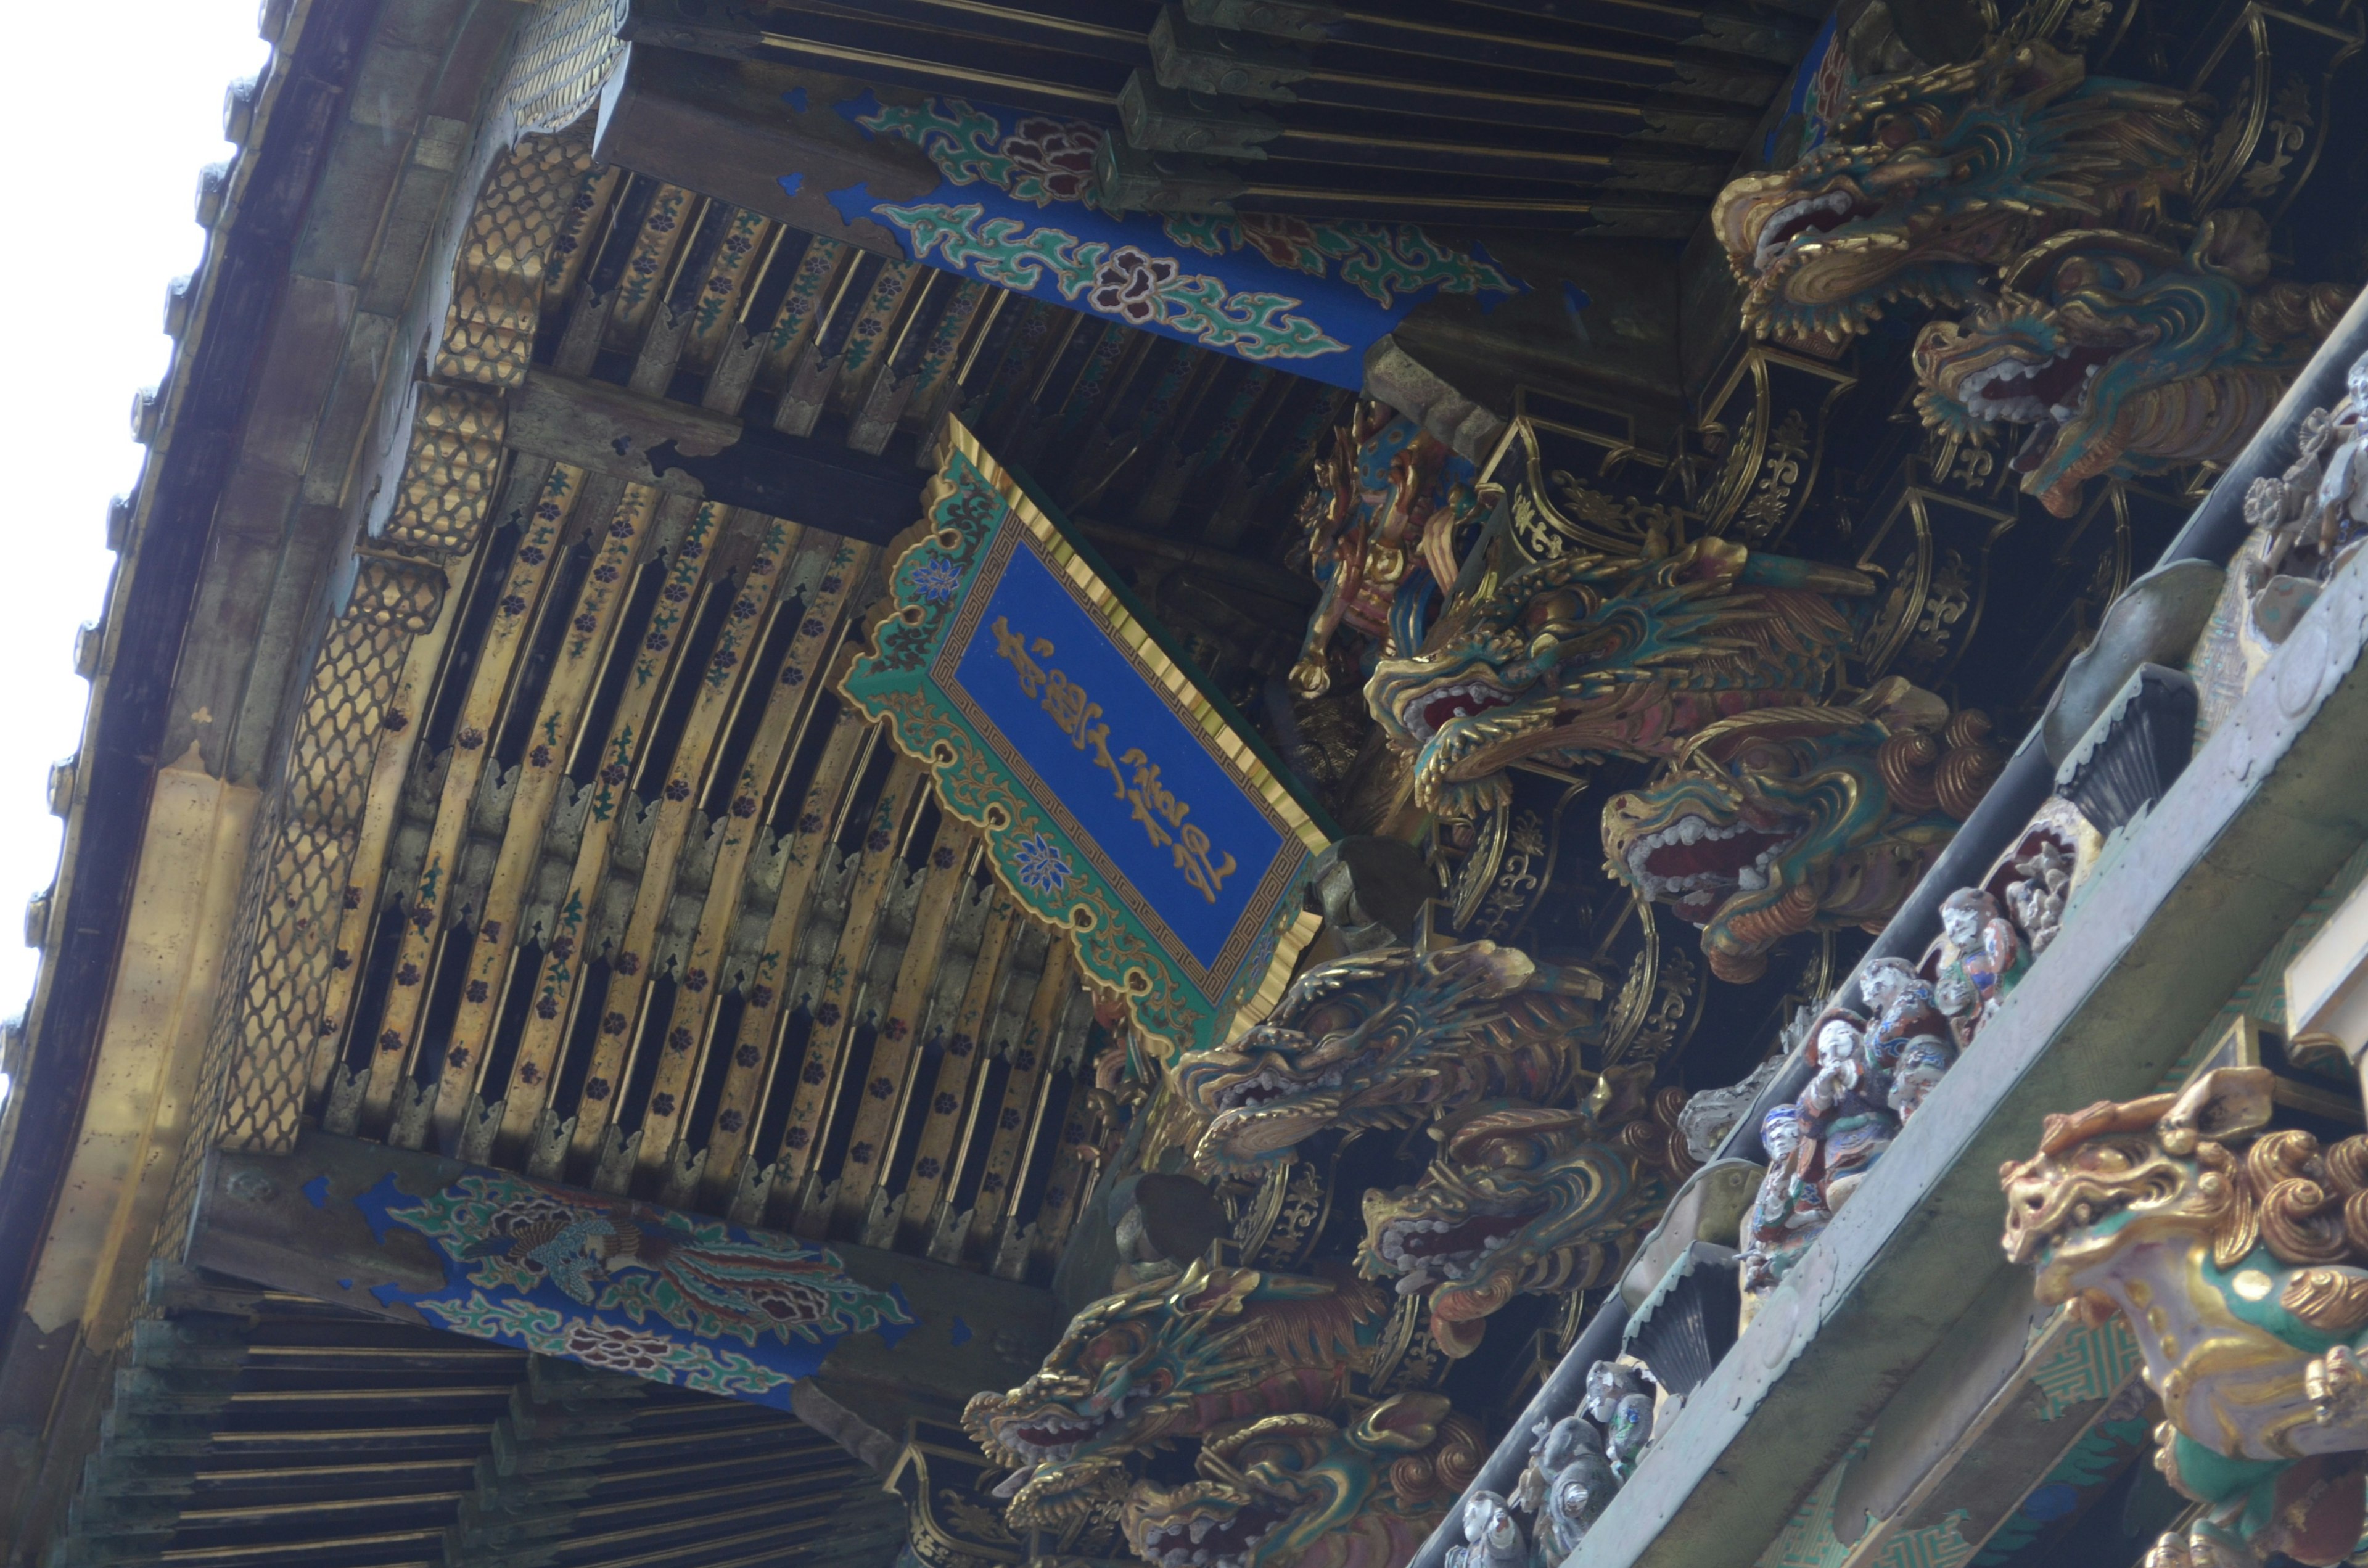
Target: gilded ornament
{"x":2237,"y":1253}
{"x":1175,"y":1358}
{"x":1589,"y":655}
{"x":1520,"y":1199}
{"x":1391,"y":1038}
{"x":1929,"y":179}
{"x":1381,"y":521}
{"x":1307,"y":1491}
{"x":1800,"y":819}
{"x":2122,"y":355}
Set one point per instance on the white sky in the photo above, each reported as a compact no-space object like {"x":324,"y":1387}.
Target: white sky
{"x":109,"y":144}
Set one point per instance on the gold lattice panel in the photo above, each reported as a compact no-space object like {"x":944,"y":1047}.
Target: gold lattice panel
{"x":562,"y":57}
{"x":305,"y":859}
{"x":497,"y":278}
{"x":450,"y":471}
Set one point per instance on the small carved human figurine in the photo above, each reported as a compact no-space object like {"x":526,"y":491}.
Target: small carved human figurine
{"x":1558,"y":1443}
{"x":1576,"y":1497}
{"x":1493,"y":1535}
{"x":1620,"y":1402}
{"x":1905,"y":1011}
{"x":1788,"y":1212}
{"x":1923,"y":1064}
{"x":1847,"y":1109}
{"x":2035,"y":899}
{"x":1988,"y":950}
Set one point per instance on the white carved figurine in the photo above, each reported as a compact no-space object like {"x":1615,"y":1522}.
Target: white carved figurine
{"x":1558,"y":1443}
{"x":2035,"y":899}
{"x":1923,"y":1064}
{"x":1575,"y":1499}
{"x":1846,"y":1105}
{"x":1986,"y":948}
{"x":1493,"y":1535}
{"x":1789,"y":1211}
{"x":1904,"y":1011}
{"x":1620,"y":1403}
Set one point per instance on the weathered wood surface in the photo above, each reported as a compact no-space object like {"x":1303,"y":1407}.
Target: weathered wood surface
{"x":686,"y":450}
{"x":764,"y":137}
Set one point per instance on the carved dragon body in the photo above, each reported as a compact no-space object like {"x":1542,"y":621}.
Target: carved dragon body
{"x":1175,"y":1359}
{"x":2235,"y":1254}
{"x":2124,"y":356}
{"x":1389,"y":1038}
{"x":1520,"y":1199}
{"x":1385,"y":506}
{"x":1809,"y":819}
{"x":1305,"y":1492}
{"x":1586,"y":656}
{"x":1929,"y":179}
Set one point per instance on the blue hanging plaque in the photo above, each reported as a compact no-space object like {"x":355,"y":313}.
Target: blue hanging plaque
{"x":1119,"y":802}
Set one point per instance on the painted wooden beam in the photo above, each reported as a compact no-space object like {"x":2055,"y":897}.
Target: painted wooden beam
{"x":686,"y":450}
{"x":677,"y":1298}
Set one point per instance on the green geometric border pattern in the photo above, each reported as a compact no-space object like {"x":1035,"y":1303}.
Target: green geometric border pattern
{"x":969,"y":501}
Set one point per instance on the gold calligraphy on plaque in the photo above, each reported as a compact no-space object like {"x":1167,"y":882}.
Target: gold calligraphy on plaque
{"x":1079,"y":718}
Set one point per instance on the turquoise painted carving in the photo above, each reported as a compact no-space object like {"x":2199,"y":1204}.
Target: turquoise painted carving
{"x":1392,"y":1038}
{"x":2121,"y":355}
{"x":1934,"y":176}
{"x":1796,"y":818}
{"x":1302,"y":1491}
{"x":2235,"y":1251}
{"x":1175,"y":1359}
{"x":1119,"y":804}
{"x":1274,"y":289}
{"x":1591,"y":656}
{"x":1520,"y":1199}
{"x":1137,"y":288}
{"x":700,"y":1303}
{"x":615,"y":1348}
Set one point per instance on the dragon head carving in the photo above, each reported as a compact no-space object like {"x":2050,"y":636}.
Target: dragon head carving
{"x":1305,"y":1492}
{"x":1800,"y":820}
{"x":1589,"y":655}
{"x":1519,"y":1199}
{"x":1929,"y":179}
{"x":1167,"y":1360}
{"x":2121,"y":355}
{"x":1388,"y":1039}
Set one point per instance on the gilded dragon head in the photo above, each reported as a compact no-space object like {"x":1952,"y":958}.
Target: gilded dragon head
{"x":1135,"y":1372}
{"x":1384,"y":1039}
{"x":1800,"y":819}
{"x":2199,"y":1164}
{"x":1519,"y":1199}
{"x":2121,"y":355}
{"x":1589,"y":655}
{"x":1929,"y":179}
{"x":1306,"y":1492}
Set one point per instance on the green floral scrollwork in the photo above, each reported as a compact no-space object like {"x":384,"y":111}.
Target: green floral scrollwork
{"x":1380,"y":260}
{"x":610,"y":1347}
{"x":1121,"y":281}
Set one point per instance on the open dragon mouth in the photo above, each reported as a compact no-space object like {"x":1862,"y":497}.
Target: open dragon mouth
{"x":1455,"y":1248}
{"x":1805,"y":220}
{"x":1693,"y":862}
{"x":1433,"y":710}
{"x":1055,"y":1434}
{"x":1207,"y":1543}
{"x":2046,"y":394}
{"x":1267,"y":1085}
